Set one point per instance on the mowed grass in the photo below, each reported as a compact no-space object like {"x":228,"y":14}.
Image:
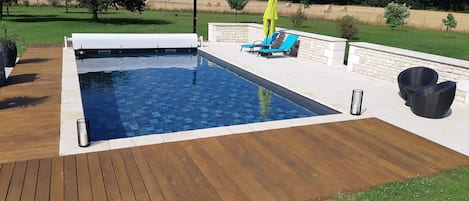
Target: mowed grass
{"x":39,"y":25}
{"x":450,"y":185}
{"x":50,"y":25}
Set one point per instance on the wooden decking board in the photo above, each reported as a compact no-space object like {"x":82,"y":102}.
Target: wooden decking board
{"x":260,"y":166}
{"x":305,"y":172}
{"x":203,"y":186}
{"x":320,"y":173}
{"x":138,"y":186}
{"x":96,"y":177}
{"x":70,"y":178}
{"x":30,"y":126}
{"x":236,"y":170}
{"x":5,"y":178}
{"x":44,"y":179}
{"x":30,"y":181}
{"x":17,"y":181}
{"x":215,"y":174}
{"x":110,"y":182}
{"x":295,"y":183}
{"x":125,"y":187}
{"x":157,"y":172}
{"x":172,"y":174}
{"x":83,"y":178}
{"x":180,"y":165}
{"x":151,"y":185}
{"x":362,"y":150}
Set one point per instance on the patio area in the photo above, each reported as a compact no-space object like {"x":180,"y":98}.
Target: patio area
{"x":266,"y":162}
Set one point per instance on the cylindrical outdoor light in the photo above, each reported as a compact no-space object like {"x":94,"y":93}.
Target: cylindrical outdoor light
{"x":356,"y":106}
{"x":83,"y":132}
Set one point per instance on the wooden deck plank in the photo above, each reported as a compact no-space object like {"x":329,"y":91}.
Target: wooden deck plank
{"x":30,"y":181}
{"x":298,"y":157}
{"x":199,"y":186}
{"x":253,"y":189}
{"x":5,"y":177}
{"x":57,"y":180}
{"x":83,"y":178}
{"x":258,"y":165}
{"x":44,"y":179}
{"x":273,"y":165}
{"x":341,"y":157}
{"x":70,"y":179}
{"x":151,"y":185}
{"x":379,"y":152}
{"x":205,"y":187}
{"x":17,"y":181}
{"x":158,"y":172}
{"x":122,"y":177}
{"x":30,"y":106}
{"x":96,"y":177}
{"x":138,"y":186}
{"x":214,"y":173}
{"x":171,"y":173}
{"x":109,"y":178}
{"x":189,"y":184}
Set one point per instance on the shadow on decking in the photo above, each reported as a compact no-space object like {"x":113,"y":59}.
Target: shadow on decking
{"x":21,"y":101}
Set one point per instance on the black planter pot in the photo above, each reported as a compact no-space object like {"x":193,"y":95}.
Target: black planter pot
{"x":10,"y":53}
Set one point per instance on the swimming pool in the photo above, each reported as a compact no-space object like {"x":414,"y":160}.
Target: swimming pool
{"x":134,"y":96}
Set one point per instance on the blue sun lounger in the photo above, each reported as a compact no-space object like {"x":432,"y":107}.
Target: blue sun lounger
{"x":265,"y":43}
{"x":284,"y":48}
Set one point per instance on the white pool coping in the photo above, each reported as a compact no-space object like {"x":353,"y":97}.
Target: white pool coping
{"x":331,"y":86}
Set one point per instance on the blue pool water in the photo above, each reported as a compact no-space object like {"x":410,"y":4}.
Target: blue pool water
{"x":171,"y":93}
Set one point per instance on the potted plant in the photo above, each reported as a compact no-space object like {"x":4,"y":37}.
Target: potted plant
{"x":8,"y":45}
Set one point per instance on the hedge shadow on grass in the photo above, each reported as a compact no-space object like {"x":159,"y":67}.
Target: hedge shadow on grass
{"x":54,"y":18}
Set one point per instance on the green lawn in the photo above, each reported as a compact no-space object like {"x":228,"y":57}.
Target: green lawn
{"x":49,"y":25}
{"x":451,"y":185}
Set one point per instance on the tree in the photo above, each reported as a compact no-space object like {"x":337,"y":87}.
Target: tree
{"x":450,"y":23}
{"x":7,"y":2}
{"x":96,"y":6}
{"x":237,"y":5}
{"x":396,"y":14}
{"x":348,"y":26}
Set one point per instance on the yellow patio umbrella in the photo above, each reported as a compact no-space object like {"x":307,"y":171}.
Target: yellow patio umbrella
{"x":269,"y":18}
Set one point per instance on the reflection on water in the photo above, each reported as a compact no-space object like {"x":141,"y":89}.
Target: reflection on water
{"x":264,"y":101}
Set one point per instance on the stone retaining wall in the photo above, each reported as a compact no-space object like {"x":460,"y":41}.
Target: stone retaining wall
{"x":386,"y":63}
{"x":318,"y":48}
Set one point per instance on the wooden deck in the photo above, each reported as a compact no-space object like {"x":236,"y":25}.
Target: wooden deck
{"x":30,"y":106}
{"x":297,"y":163}
{"x":285,"y":164}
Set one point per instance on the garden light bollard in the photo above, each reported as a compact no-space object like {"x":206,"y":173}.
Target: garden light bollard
{"x":356,"y":105}
{"x":83,"y":132}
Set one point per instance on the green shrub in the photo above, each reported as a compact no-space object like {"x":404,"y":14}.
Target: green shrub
{"x":348,"y":26}
{"x":25,"y":2}
{"x":396,"y":14}
{"x":298,"y":18}
{"x":450,"y":22}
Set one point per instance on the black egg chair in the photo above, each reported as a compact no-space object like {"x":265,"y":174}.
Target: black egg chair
{"x":414,"y":79}
{"x":434,"y":101}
